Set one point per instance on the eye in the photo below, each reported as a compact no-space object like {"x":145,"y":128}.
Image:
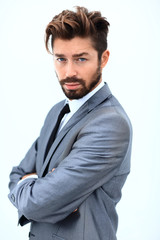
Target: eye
{"x":82,"y":59}
{"x":61,"y":59}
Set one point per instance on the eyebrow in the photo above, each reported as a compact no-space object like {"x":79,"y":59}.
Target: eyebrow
{"x":80,"y":54}
{"x":74,"y":55}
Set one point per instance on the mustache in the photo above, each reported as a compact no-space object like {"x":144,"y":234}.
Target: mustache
{"x":71,"y":80}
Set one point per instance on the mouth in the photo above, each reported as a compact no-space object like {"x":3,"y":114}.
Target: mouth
{"x":72,"y":85}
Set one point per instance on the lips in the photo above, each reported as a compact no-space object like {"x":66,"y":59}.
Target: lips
{"x":72,"y":85}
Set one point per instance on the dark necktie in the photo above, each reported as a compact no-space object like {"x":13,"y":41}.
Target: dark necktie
{"x":64,"y":110}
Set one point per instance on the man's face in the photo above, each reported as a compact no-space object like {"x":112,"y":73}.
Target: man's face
{"x":77,"y":66}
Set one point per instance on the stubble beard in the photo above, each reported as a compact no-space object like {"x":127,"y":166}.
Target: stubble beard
{"x":84,"y":90}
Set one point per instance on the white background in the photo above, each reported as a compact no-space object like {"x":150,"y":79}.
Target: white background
{"x":29,"y":88}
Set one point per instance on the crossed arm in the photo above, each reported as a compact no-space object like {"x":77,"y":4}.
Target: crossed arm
{"x":34,"y":174}
{"x":89,"y":165}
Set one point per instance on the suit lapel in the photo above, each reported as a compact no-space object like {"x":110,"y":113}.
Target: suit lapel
{"x":46,"y":131}
{"x":88,"y":106}
{"x":74,"y":120}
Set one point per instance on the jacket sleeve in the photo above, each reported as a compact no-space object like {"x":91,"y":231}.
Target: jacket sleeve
{"x":102,"y":145}
{"x":26,"y":166}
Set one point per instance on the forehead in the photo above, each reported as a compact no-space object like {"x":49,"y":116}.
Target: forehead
{"x":73,"y":46}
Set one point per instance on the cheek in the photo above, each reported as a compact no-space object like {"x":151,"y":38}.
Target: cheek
{"x":58,"y":71}
{"x":90,"y":71}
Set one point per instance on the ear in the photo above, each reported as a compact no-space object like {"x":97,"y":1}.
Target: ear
{"x":104,"y":58}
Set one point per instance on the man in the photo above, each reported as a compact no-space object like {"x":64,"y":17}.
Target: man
{"x":70,"y":181}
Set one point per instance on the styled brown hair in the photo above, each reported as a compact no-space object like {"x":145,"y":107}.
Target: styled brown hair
{"x":82,"y":23}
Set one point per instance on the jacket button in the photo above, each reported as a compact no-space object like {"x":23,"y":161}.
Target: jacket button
{"x":13,"y":197}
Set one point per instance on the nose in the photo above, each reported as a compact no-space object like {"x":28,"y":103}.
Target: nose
{"x":71,"y":69}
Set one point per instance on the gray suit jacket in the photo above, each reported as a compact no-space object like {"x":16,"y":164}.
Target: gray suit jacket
{"x":91,"y":157}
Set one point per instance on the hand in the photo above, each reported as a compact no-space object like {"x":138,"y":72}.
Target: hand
{"x":27,"y":175}
{"x":75,"y":210}
{"x":52,"y":170}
